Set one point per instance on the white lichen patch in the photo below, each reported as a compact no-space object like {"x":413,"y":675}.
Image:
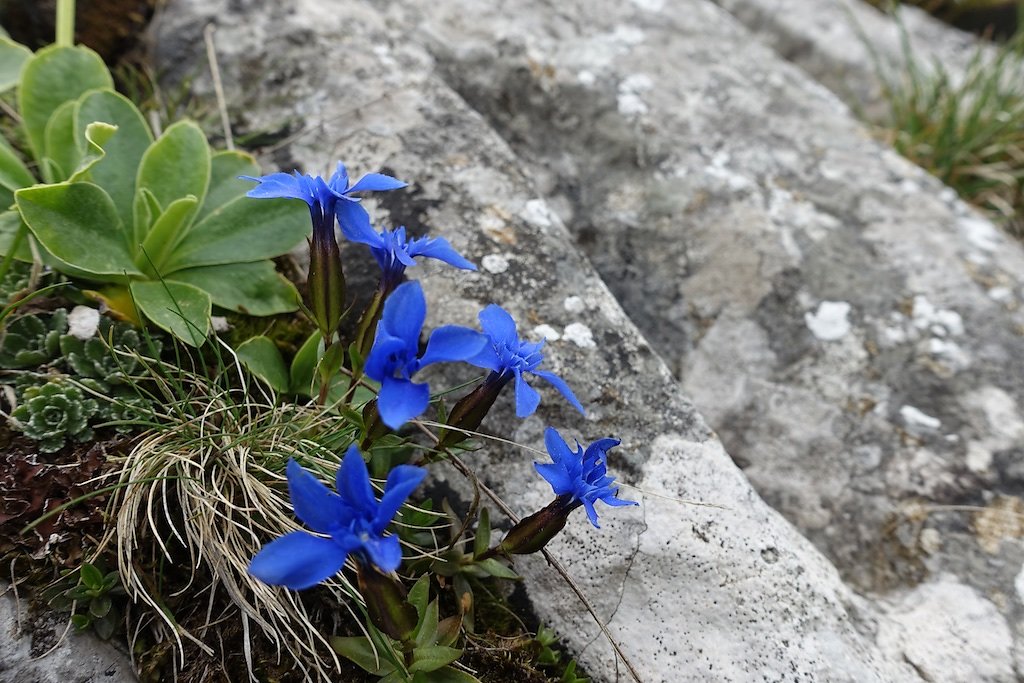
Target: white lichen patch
{"x":830,"y":322}
{"x":980,"y":233}
{"x":586,"y":78}
{"x":573,"y":304}
{"x":915,"y":419}
{"x":494,"y":263}
{"x":1001,"y":294}
{"x":580,"y":335}
{"x":83,"y":322}
{"x":630,"y":100}
{"x":938,"y":321}
{"x":650,"y":5}
{"x":545,"y":332}
{"x":537,"y":213}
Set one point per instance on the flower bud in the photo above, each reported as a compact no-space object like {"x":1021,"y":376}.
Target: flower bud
{"x":471,"y":409}
{"x":386,"y":603}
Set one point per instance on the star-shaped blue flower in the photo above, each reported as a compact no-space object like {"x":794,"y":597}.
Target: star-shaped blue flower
{"x":580,"y":477}
{"x":395,"y":252}
{"x":507,"y":356}
{"x":395,"y":358}
{"x":326,"y":199}
{"x":353,"y":519}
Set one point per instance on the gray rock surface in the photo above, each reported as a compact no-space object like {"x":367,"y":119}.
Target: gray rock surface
{"x":850,"y":329}
{"x":691,"y":592}
{"x":77,"y":658}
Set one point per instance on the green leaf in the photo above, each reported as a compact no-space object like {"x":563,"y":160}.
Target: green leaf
{"x":59,"y":144}
{"x":419,"y":594}
{"x":426,"y":631}
{"x":497,"y":569}
{"x":304,"y":365}
{"x":263,"y":359}
{"x":243,"y":230}
{"x":97,"y":135}
{"x":105,"y":627}
{"x":53,"y":76}
{"x":445,"y":675}
{"x":167,"y":231}
{"x":177,"y":164}
{"x":90,"y":576}
{"x":81,"y":621}
{"x":79,"y":225}
{"x":182,"y":310}
{"x":433,"y":657}
{"x":10,"y":222}
{"x":117,"y":172}
{"x":12,"y":58}
{"x":358,"y":650}
{"x":250,"y":288}
{"x":100,"y":606}
{"x":482,"y":542}
{"x":448,"y":630}
{"x":225,"y":167}
{"x":13,"y":173}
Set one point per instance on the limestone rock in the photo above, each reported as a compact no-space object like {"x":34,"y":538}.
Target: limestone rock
{"x":690,"y":592}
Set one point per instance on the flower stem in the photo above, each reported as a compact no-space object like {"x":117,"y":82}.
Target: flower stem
{"x":65,"y":23}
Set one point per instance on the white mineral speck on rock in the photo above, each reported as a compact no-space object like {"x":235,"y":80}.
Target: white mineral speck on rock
{"x":580,"y":335}
{"x":1000,"y":294}
{"x":650,"y":5}
{"x":586,"y":78}
{"x":940,"y":321}
{"x":830,"y":321}
{"x":537,"y":212}
{"x":573,"y":304}
{"x":980,"y":233}
{"x":83,"y":322}
{"x":914,"y":418}
{"x":494,"y":263}
{"x":630,"y":103}
{"x":1018,"y":584}
{"x":546,"y":332}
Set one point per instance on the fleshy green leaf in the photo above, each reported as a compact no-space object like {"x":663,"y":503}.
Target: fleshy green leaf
{"x":10,"y":222}
{"x":13,"y":173}
{"x":53,"y":76}
{"x":250,"y":288}
{"x":177,"y":164}
{"x":225,"y":167}
{"x":359,"y":651}
{"x":445,"y":675}
{"x":433,"y":657}
{"x":263,"y":359}
{"x":97,"y":135}
{"x":482,"y":542}
{"x":78,"y":224}
{"x":304,"y":365}
{"x":12,"y":58}
{"x":182,"y":310}
{"x":167,"y":231}
{"x":91,"y":576}
{"x":59,"y":144}
{"x":243,"y":230}
{"x":497,"y":569}
{"x":426,"y":631}
{"x":117,"y":172}
{"x":100,"y":606}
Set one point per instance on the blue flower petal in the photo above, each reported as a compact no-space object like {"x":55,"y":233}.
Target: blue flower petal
{"x":352,"y":217}
{"x":452,"y":343}
{"x":401,"y":482}
{"x":376,"y":182}
{"x":277,"y":185}
{"x":359,"y":230}
{"x":487,"y":358}
{"x":386,"y":553}
{"x":353,"y":482}
{"x":404,"y":313}
{"x":315,"y":504}
{"x":499,"y":325}
{"x":556,"y":446}
{"x":379,"y":363}
{"x":591,"y":512}
{"x":298,"y":560}
{"x":600,"y":448}
{"x":527,"y":398}
{"x":439,"y":248}
{"x":556,"y":476}
{"x":562,"y":387}
{"x":401,"y":400}
{"x":339,"y":180}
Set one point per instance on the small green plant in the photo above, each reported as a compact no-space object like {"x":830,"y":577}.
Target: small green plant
{"x":53,"y":413}
{"x":91,"y":599}
{"x":969,"y":130}
{"x":106,"y":358}
{"x":32,"y":340}
{"x":549,"y":656}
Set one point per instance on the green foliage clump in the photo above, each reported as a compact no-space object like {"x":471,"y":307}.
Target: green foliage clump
{"x":15,"y":280}
{"x":105,"y":358}
{"x":969,"y":130}
{"x":91,"y":599}
{"x":53,"y":413}
{"x":32,"y":340}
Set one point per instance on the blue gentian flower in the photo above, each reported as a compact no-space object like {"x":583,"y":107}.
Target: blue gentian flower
{"x":508,"y":357}
{"x":580,"y":477}
{"x":326,"y":198}
{"x":394,"y":251}
{"x":353,"y":519}
{"x":395,"y":358}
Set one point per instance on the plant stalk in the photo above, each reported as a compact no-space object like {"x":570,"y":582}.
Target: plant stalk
{"x":65,"y":23}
